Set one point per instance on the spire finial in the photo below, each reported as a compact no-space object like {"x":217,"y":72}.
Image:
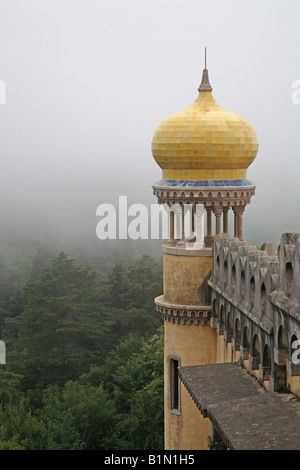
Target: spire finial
{"x":205,"y":85}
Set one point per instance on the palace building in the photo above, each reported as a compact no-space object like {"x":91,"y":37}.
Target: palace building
{"x":231,"y":311}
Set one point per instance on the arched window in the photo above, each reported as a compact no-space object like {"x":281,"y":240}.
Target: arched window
{"x":174,"y":397}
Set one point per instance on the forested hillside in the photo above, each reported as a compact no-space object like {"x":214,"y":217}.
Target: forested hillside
{"x":84,"y":352}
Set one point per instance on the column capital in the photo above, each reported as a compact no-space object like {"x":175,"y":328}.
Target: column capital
{"x":238,"y":209}
{"x":218,"y":210}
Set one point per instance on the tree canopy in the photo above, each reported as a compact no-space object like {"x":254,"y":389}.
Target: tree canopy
{"x":84,"y":357}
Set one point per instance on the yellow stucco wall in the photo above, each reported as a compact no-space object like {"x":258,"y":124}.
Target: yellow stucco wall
{"x":185,"y":279}
{"x":193,"y":345}
{"x":293,"y":382}
{"x":185,"y":283}
{"x":224,"y":352}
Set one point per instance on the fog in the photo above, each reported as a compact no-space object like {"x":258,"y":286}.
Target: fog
{"x":88,"y":81}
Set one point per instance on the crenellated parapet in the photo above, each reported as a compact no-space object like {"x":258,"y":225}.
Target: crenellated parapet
{"x":256,"y":303}
{"x":285,"y":301}
{"x":289,"y":272}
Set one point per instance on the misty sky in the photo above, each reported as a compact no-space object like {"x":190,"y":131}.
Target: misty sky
{"x":88,"y":82}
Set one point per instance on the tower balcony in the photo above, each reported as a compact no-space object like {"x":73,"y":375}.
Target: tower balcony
{"x":187,"y":202}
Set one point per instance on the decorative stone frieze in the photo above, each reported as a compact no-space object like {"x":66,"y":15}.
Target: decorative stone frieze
{"x":210,"y":196}
{"x":183,"y":314}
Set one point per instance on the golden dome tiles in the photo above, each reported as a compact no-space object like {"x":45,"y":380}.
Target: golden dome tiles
{"x":204,"y":141}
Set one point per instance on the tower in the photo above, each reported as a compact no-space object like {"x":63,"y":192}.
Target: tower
{"x":204,"y":152}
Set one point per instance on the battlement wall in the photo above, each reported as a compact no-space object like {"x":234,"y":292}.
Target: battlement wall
{"x":256,"y":305}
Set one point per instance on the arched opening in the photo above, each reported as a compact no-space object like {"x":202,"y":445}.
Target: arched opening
{"x":266,"y":363}
{"x":225,"y":273}
{"x":229,"y":327}
{"x":255,"y":359}
{"x":222,"y":315}
{"x":289,"y":276}
{"x":237,"y":334}
{"x":233,"y":278}
{"x":263,"y":297}
{"x":222,"y":319}
{"x":282,"y":341}
{"x":243,"y":282}
{"x":215,"y":308}
{"x":256,"y":346}
{"x":218,"y":264}
{"x":246,"y":344}
{"x":252,"y":291}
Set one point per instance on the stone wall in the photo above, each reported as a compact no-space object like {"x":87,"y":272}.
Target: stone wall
{"x":256,"y":306}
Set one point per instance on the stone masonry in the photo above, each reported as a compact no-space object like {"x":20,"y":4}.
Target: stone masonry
{"x":256,"y":305}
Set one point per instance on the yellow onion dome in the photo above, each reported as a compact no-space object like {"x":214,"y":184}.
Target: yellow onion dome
{"x":204,"y":141}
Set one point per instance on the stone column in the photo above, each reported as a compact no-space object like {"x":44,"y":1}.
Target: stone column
{"x":208,"y":239}
{"x":218,"y":212}
{"x":225,"y":219}
{"x":238,"y":221}
{"x":171,"y":240}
